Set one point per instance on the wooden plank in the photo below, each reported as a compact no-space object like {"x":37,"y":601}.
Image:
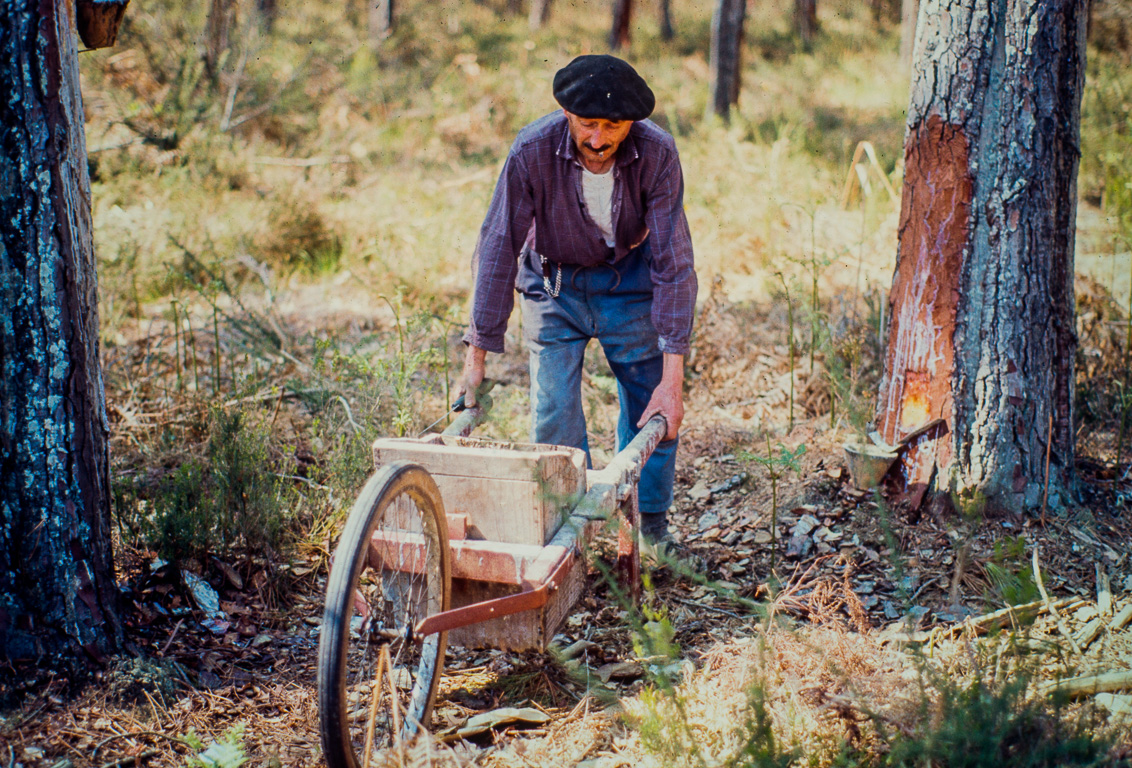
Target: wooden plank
{"x":1089,"y":632}
{"x":530,"y":630}
{"x":492,"y":561}
{"x":509,"y":492}
{"x":457,"y":526}
{"x":519,"y":631}
{"x":1122,"y":617}
{"x":501,"y":510}
{"x":472,"y":457}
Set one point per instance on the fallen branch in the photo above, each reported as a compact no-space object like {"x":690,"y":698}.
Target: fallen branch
{"x":1090,"y":684}
{"x":133,"y":735}
{"x":1050,"y":607}
{"x":1011,"y":615}
{"x":705,"y":607}
{"x":285,"y":394}
{"x":1104,"y":591}
{"x":349,"y":415}
{"x":135,"y":760}
{"x":172,"y":635}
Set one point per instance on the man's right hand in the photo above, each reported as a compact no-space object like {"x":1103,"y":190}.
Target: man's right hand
{"x":472,"y":376}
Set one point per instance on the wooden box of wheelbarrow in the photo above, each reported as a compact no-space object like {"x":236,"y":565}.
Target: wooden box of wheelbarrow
{"x":505,"y":504}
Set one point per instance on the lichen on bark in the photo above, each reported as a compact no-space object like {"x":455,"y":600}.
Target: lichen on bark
{"x":57,"y":594}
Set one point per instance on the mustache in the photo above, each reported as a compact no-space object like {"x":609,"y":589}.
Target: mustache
{"x":592,"y":148}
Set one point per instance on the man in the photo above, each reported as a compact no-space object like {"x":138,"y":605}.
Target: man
{"x":587,"y":224}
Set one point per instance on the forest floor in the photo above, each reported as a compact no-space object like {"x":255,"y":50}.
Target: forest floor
{"x":860,"y":599}
{"x":283,"y":250}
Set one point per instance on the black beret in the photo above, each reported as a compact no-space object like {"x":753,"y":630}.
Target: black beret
{"x":605,"y":87}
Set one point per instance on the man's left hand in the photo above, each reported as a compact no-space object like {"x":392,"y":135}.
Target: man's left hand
{"x":668,"y":397}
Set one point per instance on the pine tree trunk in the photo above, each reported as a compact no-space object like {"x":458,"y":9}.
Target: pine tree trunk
{"x":269,"y":10}
{"x":726,"y":45}
{"x":57,"y":590}
{"x":381,"y":20}
{"x":806,"y":21}
{"x":539,"y":13}
{"x":666,"y":30}
{"x":982,"y":308}
{"x":620,"y":35}
{"x":218,"y":29}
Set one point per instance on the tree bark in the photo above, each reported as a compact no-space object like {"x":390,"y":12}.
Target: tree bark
{"x":539,"y":13}
{"x":381,"y":20}
{"x":726,"y":45}
{"x":666,"y":30}
{"x":806,"y":21}
{"x":269,"y":10}
{"x":620,"y":35}
{"x":982,"y":308}
{"x":909,"y":11}
{"x":217,"y":38}
{"x":885,"y":9}
{"x":57,"y":590}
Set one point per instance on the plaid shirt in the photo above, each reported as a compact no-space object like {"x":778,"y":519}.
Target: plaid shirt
{"x":538,"y":202}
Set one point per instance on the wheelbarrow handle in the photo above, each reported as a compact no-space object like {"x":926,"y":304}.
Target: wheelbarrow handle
{"x":656,"y":424}
{"x":472,"y":417}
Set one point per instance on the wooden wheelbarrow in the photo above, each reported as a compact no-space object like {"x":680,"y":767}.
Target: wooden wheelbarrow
{"x":455,"y":538}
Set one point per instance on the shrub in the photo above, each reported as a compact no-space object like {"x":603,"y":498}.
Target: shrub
{"x":228,"y":500}
{"x":979,"y":722}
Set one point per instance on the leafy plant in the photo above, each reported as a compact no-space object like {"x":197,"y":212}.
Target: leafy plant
{"x":776,"y":465}
{"x":761,"y":748}
{"x":853,"y":353}
{"x":228,"y":752}
{"x":1009,"y":572}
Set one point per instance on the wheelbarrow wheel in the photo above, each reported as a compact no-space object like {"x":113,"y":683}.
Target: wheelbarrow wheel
{"x":390,"y":570}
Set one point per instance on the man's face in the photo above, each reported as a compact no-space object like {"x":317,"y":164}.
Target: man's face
{"x":597,"y":139}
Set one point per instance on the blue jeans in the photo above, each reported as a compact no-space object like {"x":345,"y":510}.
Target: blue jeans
{"x":612,"y":303}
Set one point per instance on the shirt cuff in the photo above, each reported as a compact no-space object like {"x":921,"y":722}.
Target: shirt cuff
{"x":673,"y":347}
{"x":490,"y":343}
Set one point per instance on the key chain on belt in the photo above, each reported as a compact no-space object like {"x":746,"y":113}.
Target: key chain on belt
{"x":552,"y":292}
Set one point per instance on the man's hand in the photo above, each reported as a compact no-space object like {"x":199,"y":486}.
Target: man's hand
{"x":472,"y":376}
{"x":668,"y":397}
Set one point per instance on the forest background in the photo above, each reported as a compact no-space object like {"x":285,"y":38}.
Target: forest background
{"x":285,"y":213}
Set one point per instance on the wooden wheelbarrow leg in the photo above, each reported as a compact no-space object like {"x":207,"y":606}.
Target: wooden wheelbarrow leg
{"x":614,"y":489}
{"x":628,"y":545}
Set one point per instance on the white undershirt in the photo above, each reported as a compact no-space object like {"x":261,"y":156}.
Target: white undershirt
{"x":598,"y":192}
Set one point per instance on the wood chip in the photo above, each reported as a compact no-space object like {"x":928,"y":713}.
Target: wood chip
{"x":1115,"y":703}
{"x":1089,"y":632}
{"x":1090,"y":684}
{"x":619,"y":669}
{"x":1104,"y":592}
{"x":1121,"y":619}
